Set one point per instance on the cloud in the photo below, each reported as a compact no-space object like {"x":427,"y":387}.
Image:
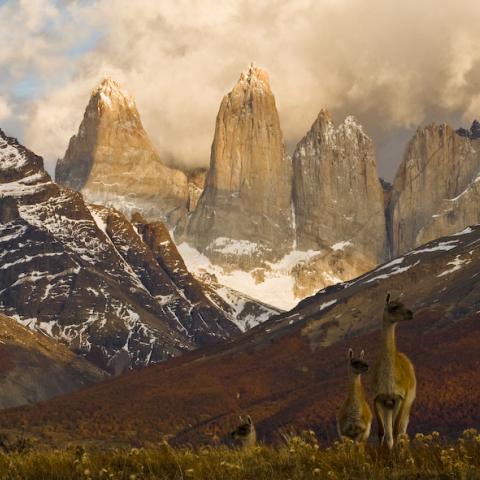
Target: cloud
{"x":394,"y":65}
{"x":5,"y":111}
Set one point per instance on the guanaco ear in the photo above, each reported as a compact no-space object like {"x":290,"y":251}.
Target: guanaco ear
{"x":249,"y":419}
{"x":362,"y":354}
{"x":387,"y":300}
{"x":350,"y":353}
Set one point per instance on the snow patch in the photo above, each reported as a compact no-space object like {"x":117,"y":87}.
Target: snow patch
{"x":11,"y":157}
{"x":341,"y":245}
{"x":230,"y":246}
{"x":277,"y":288}
{"x":442,"y":246}
{"x":396,"y":261}
{"x":395,"y":271}
{"x":325,"y":305}
{"x":457,"y":265}
{"x":463,"y":232}
{"x":106,"y":100}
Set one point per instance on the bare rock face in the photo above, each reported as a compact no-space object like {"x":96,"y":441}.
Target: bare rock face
{"x":436,"y":191}
{"x":8,"y":210}
{"x":112,"y":161}
{"x":339,"y":203}
{"x":196,"y":184}
{"x":247,"y":198}
{"x":387,"y":192}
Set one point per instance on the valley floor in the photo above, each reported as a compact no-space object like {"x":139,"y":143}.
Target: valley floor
{"x":300,"y":457}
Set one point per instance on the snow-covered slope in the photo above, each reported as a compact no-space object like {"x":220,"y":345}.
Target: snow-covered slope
{"x":281,"y":284}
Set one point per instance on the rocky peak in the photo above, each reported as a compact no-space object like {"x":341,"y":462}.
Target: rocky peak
{"x":250,"y":174}
{"x":253,"y":78}
{"x":473,"y":133}
{"x":114,"y":163}
{"x":337,"y":194}
{"x":110,"y":91}
{"x":110,"y":100}
{"x":22,"y":177}
{"x":324,"y":131}
{"x":17,"y":161}
{"x":475,"y":129}
{"x":435,"y":189}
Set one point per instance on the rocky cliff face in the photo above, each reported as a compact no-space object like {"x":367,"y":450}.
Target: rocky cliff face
{"x":338,"y":198}
{"x":112,"y":161}
{"x":118,"y":294}
{"x":293,"y":227}
{"x":244,"y":216}
{"x":196,"y":184}
{"x":436,"y":190}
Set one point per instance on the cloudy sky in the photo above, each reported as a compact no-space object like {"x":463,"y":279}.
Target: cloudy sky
{"x":394,"y":64}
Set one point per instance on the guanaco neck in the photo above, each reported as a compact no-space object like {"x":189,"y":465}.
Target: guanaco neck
{"x":389,"y":346}
{"x":356,"y":384}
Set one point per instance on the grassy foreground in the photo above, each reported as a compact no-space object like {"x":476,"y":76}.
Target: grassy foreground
{"x":425,"y":457}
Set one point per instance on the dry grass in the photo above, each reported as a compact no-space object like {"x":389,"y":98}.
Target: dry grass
{"x":301,"y":457}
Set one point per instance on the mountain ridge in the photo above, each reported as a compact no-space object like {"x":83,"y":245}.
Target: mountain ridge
{"x":84,"y":275}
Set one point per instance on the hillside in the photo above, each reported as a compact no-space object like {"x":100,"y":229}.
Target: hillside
{"x":34,"y":367}
{"x":290,"y":370}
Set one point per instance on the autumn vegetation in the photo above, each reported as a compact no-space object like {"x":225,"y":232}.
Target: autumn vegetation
{"x":297,"y":457}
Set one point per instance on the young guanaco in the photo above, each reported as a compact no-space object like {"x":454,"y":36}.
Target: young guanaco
{"x":355,"y":417}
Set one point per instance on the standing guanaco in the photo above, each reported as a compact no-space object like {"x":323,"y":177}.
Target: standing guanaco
{"x":394,"y":383}
{"x":355,"y":417}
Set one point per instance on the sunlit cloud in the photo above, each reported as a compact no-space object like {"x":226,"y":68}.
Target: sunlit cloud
{"x":5,"y":111}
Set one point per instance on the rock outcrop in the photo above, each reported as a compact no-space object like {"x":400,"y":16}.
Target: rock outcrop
{"x":86,"y":276}
{"x":473,"y":133}
{"x":244,"y":215}
{"x":339,"y":203}
{"x":112,"y":161}
{"x":436,"y":190}
{"x":196,"y":185}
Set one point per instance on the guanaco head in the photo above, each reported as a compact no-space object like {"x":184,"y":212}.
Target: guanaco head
{"x":395,"y":311}
{"x":244,"y":429}
{"x":358,"y":365}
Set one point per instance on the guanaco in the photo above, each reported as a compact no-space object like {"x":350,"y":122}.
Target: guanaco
{"x":355,"y":417}
{"x":245,"y":433}
{"x":394,"y":383}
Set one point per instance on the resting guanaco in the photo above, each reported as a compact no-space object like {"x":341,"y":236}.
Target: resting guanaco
{"x":245,"y":433}
{"x":355,"y":417}
{"x":394,"y":383}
